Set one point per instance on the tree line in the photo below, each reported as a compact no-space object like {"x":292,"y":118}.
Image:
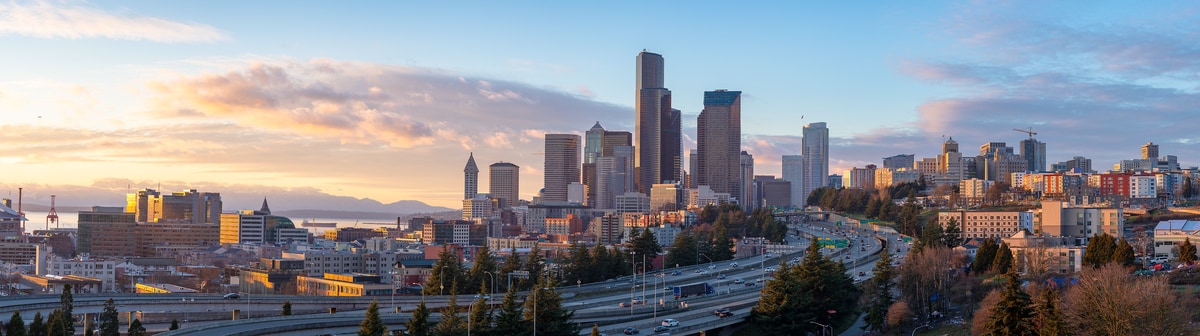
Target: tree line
{"x":542,"y":307}
{"x":816,"y":290}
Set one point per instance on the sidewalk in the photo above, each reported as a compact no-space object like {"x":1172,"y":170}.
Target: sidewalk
{"x":857,"y":328}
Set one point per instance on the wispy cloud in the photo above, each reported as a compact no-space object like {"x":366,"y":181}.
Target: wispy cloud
{"x":50,"y":19}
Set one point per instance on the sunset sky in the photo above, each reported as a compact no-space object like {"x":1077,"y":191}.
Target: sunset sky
{"x":385,"y":100}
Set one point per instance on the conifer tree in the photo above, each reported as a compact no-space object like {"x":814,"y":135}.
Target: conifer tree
{"x":816,"y":290}
{"x":511,"y":263}
{"x":1004,"y":259}
{"x":1048,"y":316}
{"x":480,"y":321}
{"x":287,"y":308}
{"x":447,"y":270}
{"x":484,"y":264}
{"x":552,"y":317}
{"x":66,"y":325}
{"x":1099,"y":250}
{"x":174,"y":324}
{"x":985,"y":256}
{"x":109,"y":321}
{"x":1124,"y":253}
{"x":15,"y":326}
{"x":1012,"y":315}
{"x":952,"y":234}
{"x":683,"y":251}
{"x":54,"y":324}
{"x":509,"y":321}
{"x":1187,"y":251}
{"x":452,"y":323}
{"x":535,"y":264}
{"x":418,"y":325}
{"x":38,"y":326}
{"x":372,"y":324}
{"x":722,"y":244}
{"x":879,"y":292}
{"x":136,"y":328}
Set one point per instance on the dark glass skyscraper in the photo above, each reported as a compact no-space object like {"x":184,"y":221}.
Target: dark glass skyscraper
{"x":719,"y":142}
{"x":658,"y":151}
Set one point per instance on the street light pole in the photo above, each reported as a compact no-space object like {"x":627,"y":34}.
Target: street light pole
{"x":493,"y":277}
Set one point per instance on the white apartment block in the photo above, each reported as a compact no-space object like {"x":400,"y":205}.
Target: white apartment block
{"x":104,"y":270}
{"x":1143,"y":186}
{"x":974,"y":189}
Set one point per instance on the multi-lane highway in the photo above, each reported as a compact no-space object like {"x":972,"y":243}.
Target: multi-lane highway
{"x":598,"y":303}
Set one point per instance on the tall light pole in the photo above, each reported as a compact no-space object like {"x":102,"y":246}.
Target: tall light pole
{"x":535,"y":305}
{"x":823,"y":326}
{"x":187,"y":307}
{"x":493,"y":277}
{"x":643,"y":278}
{"x":656,"y":293}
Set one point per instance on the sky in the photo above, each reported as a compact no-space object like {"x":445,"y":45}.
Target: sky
{"x":383,"y":101}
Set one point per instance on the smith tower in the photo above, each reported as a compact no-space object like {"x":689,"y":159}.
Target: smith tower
{"x":471,"y":178}
{"x":658,"y":151}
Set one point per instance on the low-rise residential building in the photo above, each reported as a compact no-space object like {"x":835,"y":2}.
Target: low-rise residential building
{"x":1169,"y":234}
{"x":100,"y":269}
{"x":1037,"y":254}
{"x":1078,"y":223}
{"x":987,"y":224}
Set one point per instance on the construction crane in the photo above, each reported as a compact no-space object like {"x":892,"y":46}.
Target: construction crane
{"x":1030,"y":132}
{"x":52,"y":217}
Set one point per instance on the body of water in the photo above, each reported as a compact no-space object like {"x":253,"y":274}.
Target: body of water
{"x":37,"y":221}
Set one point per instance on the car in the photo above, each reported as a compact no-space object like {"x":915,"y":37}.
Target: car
{"x":661,"y":329}
{"x":769,"y":269}
{"x":721,"y":276}
{"x":723,"y":312}
{"x":670,"y":323}
{"x":624,"y":304}
{"x":232,"y":296}
{"x":703,"y":272}
{"x":638,"y":301}
{"x":696,"y":271}
{"x":862,"y":274}
{"x":631,"y":331}
{"x":676,"y":273}
{"x":733,"y":264}
{"x":750,"y":284}
{"x":713,"y":266}
{"x":738,"y":281}
{"x":608,"y":287}
{"x":483,"y":296}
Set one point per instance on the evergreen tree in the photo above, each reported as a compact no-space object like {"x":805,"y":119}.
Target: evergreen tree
{"x":452,"y":323}
{"x":580,"y":265}
{"x":1004,"y":259}
{"x":509,"y":319}
{"x":67,"y":306}
{"x":1048,"y":315}
{"x":136,"y":328}
{"x":447,"y":270}
{"x":873,"y":208}
{"x":952,"y":235}
{"x":722,"y":244}
{"x":552,"y":317}
{"x":287,"y":308}
{"x":879,"y":292}
{"x":1124,"y":253}
{"x":109,"y":320}
{"x":54,"y":324}
{"x":535,"y":264}
{"x":816,"y":290}
{"x":683,"y":251}
{"x":174,"y":324}
{"x":15,"y":326}
{"x":372,"y":324}
{"x":1187,"y":251}
{"x":985,"y":256}
{"x":480,"y":321}
{"x":418,"y":325}
{"x":38,"y":326}
{"x":512,"y":262}
{"x":645,"y":244}
{"x":1012,"y":315}
{"x":1188,"y":190}
{"x":931,"y":236}
{"x":478,"y":274}
{"x":1099,"y":250}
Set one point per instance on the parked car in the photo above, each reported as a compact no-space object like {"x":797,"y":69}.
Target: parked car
{"x":232,"y":296}
{"x":670,"y":323}
{"x":723,"y":312}
{"x":631,"y":331}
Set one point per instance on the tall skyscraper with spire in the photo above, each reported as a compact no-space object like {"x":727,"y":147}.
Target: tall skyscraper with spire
{"x":719,"y":142}
{"x":658,"y":127}
{"x":470,"y":178}
{"x":816,"y":157}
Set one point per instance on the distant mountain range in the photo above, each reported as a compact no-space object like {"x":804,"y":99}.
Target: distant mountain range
{"x":297,"y":202}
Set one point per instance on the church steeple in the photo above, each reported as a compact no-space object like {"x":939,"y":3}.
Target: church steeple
{"x":471,"y":178}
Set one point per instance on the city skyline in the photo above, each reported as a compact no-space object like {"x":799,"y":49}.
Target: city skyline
{"x":173,"y":92}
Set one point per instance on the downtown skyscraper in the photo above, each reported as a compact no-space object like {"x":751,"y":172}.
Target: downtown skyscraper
{"x":719,"y":142}
{"x":561,"y":166}
{"x":504,"y":183}
{"x":658,"y":128}
{"x":815,"y":149}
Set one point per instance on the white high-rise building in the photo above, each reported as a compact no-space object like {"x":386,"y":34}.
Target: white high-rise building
{"x":816,"y":157}
{"x":793,"y":171}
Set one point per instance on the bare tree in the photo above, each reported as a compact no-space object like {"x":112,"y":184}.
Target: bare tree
{"x":898,"y":315}
{"x":1107,"y":301}
{"x":979,"y":323}
{"x":927,"y":275}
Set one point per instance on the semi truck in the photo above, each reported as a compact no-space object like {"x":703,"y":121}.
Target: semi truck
{"x":692,"y":289}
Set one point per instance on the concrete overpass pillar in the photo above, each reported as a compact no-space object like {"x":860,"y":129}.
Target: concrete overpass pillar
{"x":397,"y":309}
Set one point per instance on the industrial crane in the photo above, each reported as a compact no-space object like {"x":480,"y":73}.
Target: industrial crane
{"x":1030,"y":132}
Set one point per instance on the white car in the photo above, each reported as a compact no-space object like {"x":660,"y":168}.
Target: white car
{"x":670,"y":323}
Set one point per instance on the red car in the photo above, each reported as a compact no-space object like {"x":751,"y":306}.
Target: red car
{"x":723,"y":312}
